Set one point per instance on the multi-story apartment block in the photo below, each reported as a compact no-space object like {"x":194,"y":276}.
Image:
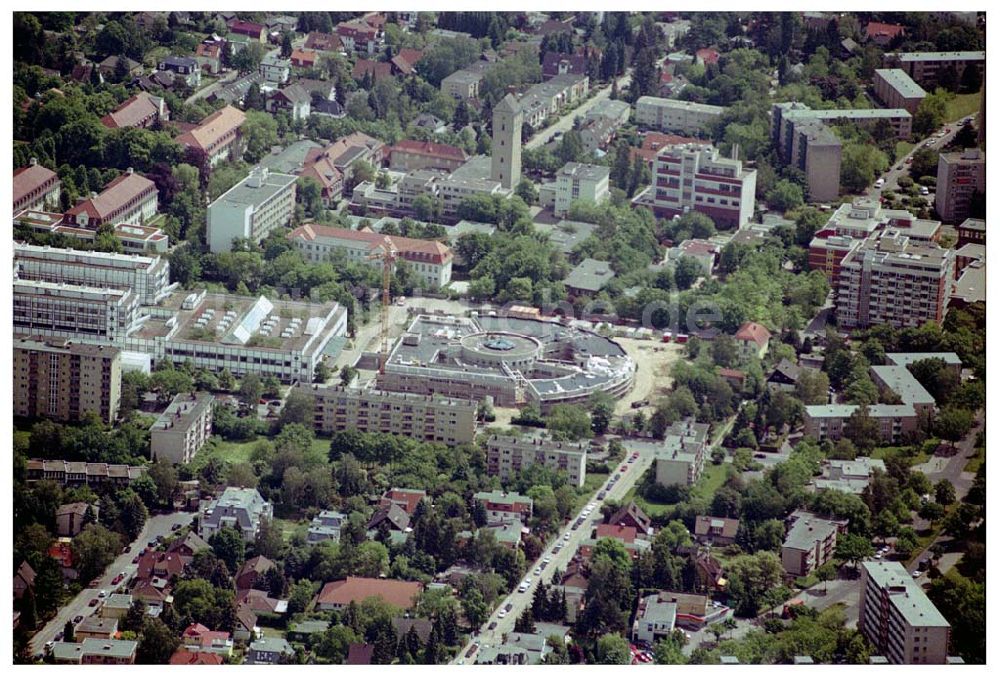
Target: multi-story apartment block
{"x":508,"y":116}
{"x":35,"y":187}
{"x":827,"y":251}
{"x":507,"y":455}
{"x":580,"y":182}
{"x":147,"y":277}
{"x":925,"y":67}
{"x":816,"y":151}
{"x":828,"y":422}
{"x":897,"y":617}
{"x":810,"y":541}
{"x":462,"y":84}
{"x":99,"y":315}
{"x":236,"y":505}
{"x":426,"y":417}
{"x":673,"y":116}
{"x":79,"y":473}
{"x":896,"y":89}
{"x":891,"y":279}
{"x":251,"y":209}
{"x":430,"y":260}
{"x":130,"y":198}
{"x":695,"y":178}
{"x":960,"y":176}
{"x":784,"y":115}
{"x":183,"y":428}
{"x":681,"y":457}
{"x":140,"y":111}
{"x":546,"y":99}
{"x":504,"y":506}
{"x":217,"y":136}
{"x":63,"y":380}
{"x":972,"y":230}
{"x":410,"y":155}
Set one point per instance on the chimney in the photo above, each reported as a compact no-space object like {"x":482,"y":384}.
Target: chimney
{"x":129,"y":171}
{"x":33,"y":162}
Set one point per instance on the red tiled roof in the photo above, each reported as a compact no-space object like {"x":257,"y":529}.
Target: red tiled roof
{"x":131,"y":113}
{"x":360,"y":654}
{"x":378,"y":70}
{"x":876,"y":29}
{"x":623,"y":533}
{"x":703,"y":523}
{"x":303,"y":56}
{"x":246,"y":28}
{"x":119,"y":192}
{"x":324,"y":172}
{"x":213,"y":128}
{"x":213,"y":50}
{"x":323,"y":42}
{"x":400,"y":593}
{"x":699,"y":247}
{"x":730,"y":373}
{"x":753,"y":332}
{"x":429,"y":149}
{"x":29,"y":178}
{"x":355,"y":28}
{"x":411,"y":56}
{"x":406,"y":498}
{"x":420,"y":250}
{"x":185,"y":657}
{"x":707,"y":55}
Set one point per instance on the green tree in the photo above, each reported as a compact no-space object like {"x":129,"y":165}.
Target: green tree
{"x":751,"y":579}
{"x":251,"y":389}
{"x":612,"y":649}
{"x":785,"y":196}
{"x":944,"y":493}
{"x":860,"y":165}
{"x":229,"y":546}
{"x":569,"y":422}
{"x":93,"y":549}
{"x":157,"y":643}
{"x":853,"y":548}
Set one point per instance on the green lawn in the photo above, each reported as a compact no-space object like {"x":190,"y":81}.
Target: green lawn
{"x":903,"y":148}
{"x":918,"y":454}
{"x":230,"y":452}
{"x":962,"y":105}
{"x":711,"y":479}
{"x":22,"y":436}
{"x":974,"y":463}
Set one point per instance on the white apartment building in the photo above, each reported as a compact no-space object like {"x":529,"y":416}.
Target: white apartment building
{"x":891,"y":279}
{"x":897,"y":617}
{"x":81,"y":312}
{"x":243,"y":505}
{"x":251,"y":209}
{"x":147,"y":277}
{"x":183,"y":428}
{"x":580,"y":182}
{"x":681,"y":457}
{"x":428,"y":418}
{"x":695,"y":178}
{"x":430,"y":260}
{"x":507,"y":455}
{"x":672,"y":116}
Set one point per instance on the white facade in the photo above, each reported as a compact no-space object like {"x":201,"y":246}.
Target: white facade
{"x":669,"y":115}
{"x":507,"y":455}
{"x":244,"y":507}
{"x":580,"y":182}
{"x":251,"y":209}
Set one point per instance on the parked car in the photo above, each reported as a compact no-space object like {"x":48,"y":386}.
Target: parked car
{"x":509,"y":606}
{"x":128,"y":548}
{"x":624,"y":468}
{"x":78,"y":619}
{"x":566,"y":537}
{"x":917,"y":573}
{"x":176,"y":526}
{"x":102,"y":594}
{"x":94,"y":602}
{"x":135,"y":560}
{"x":493,"y":625}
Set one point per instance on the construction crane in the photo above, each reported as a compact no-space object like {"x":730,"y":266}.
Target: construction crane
{"x":387,"y":253}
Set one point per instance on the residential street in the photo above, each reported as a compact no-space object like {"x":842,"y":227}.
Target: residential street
{"x":214,"y":86}
{"x":521,"y":601}
{"x":566,"y":122}
{"x":155,"y":526}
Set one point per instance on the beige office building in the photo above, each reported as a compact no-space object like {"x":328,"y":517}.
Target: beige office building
{"x":673,"y":116}
{"x":62,"y":380}
{"x":183,"y":428}
{"x":507,"y":455}
{"x":429,"y":418}
{"x":897,"y":617}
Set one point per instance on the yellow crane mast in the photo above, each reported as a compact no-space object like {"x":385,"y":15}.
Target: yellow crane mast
{"x":387,"y":253}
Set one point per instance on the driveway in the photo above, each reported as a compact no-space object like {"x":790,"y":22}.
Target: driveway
{"x":155,"y":526}
{"x":845,"y":591}
{"x":522,"y":601}
{"x":214,"y":86}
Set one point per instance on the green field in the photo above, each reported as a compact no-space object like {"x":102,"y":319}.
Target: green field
{"x":903,"y":148}
{"x":711,"y":479}
{"x":962,"y":105}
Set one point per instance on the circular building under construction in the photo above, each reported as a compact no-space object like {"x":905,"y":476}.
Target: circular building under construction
{"x":516,"y":361}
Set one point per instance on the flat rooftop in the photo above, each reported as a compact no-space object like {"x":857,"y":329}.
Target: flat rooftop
{"x":905,"y":594}
{"x":273,"y":324}
{"x":255,"y":190}
{"x":942,"y":56}
{"x":566,"y":235}
{"x":903,"y":383}
{"x":680,"y":105}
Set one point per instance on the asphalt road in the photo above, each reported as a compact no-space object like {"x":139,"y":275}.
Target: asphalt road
{"x":560,"y":560}
{"x":155,"y":526}
{"x":566,"y":122}
{"x":901,"y":168}
{"x":218,"y":84}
